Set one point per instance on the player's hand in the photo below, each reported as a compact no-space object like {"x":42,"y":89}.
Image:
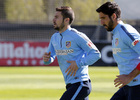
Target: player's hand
{"x":46,"y":56}
{"x":122,"y":80}
{"x":72,"y":69}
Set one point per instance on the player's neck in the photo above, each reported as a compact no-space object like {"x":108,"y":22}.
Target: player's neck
{"x":116,"y":23}
{"x":64,"y":29}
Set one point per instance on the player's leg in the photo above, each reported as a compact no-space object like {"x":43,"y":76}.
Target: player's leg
{"x":77,"y":91}
{"x":134,"y":93}
{"x":119,"y":95}
{"x":85,"y":91}
{"x":71,"y":89}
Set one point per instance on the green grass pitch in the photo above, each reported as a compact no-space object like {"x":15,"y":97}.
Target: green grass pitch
{"x":46,"y":83}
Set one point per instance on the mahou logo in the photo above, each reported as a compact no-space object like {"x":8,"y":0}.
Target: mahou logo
{"x":22,"y":53}
{"x":21,"y":50}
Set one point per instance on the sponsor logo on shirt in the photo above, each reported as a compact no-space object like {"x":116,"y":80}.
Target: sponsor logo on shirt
{"x":63,"y":52}
{"x":90,"y":44}
{"x":116,"y":50}
{"x":68,"y":44}
{"x":135,"y":80}
{"x":135,"y":42}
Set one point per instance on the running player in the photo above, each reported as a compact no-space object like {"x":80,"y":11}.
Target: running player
{"x":126,"y":52}
{"x":74,"y":52}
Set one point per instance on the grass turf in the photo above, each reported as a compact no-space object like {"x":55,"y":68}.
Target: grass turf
{"x":46,"y":83}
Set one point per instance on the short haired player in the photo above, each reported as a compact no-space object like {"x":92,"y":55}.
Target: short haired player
{"x":126,"y":51}
{"x":74,"y":52}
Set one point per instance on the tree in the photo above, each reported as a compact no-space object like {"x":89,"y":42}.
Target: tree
{"x":38,"y":11}
{"x":2,"y":10}
{"x":49,"y":7}
{"x":25,"y":11}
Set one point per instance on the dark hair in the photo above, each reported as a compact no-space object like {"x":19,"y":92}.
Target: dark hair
{"x":67,"y":12}
{"x":109,"y":8}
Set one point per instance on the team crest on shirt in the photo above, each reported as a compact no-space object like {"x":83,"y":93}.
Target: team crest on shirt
{"x":116,"y":41}
{"x":68,"y":44}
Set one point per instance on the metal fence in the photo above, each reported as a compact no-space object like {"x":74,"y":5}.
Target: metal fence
{"x":22,"y":20}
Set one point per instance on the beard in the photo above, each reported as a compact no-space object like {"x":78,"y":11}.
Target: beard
{"x":59,"y":28}
{"x":109,"y":27}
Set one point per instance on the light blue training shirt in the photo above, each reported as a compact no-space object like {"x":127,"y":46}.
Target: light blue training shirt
{"x":72,"y":45}
{"x":126,"y":49}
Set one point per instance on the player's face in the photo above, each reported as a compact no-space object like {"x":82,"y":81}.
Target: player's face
{"x":106,"y":21}
{"x":58,"y":21}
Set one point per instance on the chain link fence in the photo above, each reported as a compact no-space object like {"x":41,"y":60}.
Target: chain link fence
{"x":31,"y":20}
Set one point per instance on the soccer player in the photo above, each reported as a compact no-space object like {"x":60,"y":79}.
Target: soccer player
{"x":74,"y":51}
{"x":126,"y":52}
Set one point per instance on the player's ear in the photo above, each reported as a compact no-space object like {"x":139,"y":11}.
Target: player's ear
{"x":67,"y":20}
{"x":114,"y":16}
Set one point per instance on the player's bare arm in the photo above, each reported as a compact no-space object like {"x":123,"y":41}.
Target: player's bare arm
{"x":46,"y":56}
{"x":122,"y":80}
{"x":72,"y":69}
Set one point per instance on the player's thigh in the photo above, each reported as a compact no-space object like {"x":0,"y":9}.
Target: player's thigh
{"x":74,"y":95}
{"x":78,"y":91}
{"x":85,"y":91}
{"x":134,"y":93}
{"x":119,"y":95}
{"x":83,"y":94}
{"x":71,"y":89}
